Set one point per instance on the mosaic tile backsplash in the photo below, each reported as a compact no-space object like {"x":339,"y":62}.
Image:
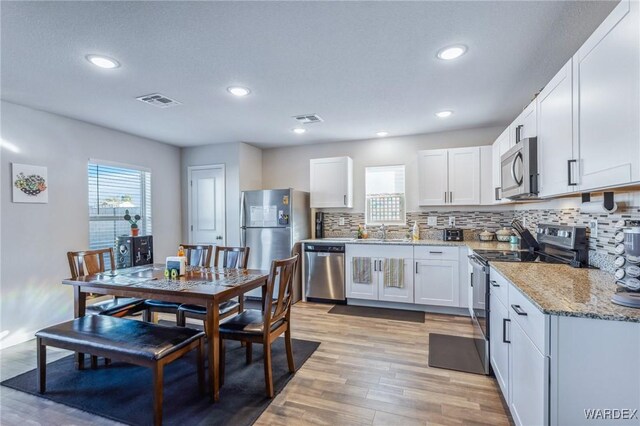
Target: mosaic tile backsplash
{"x":473,"y":222}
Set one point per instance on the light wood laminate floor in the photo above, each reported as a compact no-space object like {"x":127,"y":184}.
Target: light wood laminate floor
{"x":366,"y":371}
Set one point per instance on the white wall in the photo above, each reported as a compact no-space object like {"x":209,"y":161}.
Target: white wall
{"x":243,"y":170}
{"x":36,"y":237}
{"x":289,"y":166}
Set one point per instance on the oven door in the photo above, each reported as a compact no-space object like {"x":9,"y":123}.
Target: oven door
{"x":479,"y":299}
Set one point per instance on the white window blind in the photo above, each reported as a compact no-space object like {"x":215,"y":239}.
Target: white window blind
{"x":385,"y":198}
{"x":112,"y":190}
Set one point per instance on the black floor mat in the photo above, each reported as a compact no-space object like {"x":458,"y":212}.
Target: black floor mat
{"x":382,"y":313}
{"x":454,"y":353}
{"x":123,"y":392}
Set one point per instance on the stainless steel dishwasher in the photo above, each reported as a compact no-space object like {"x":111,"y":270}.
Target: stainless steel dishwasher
{"x":324,"y":272}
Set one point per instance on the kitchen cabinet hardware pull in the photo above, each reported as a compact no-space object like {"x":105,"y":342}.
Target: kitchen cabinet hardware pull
{"x":375,"y":264}
{"x":345,"y":199}
{"x":451,"y":196}
{"x":471,"y":279}
{"x":504,"y":330}
{"x":416,"y":267}
{"x":380,"y":266}
{"x":569,"y":174}
{"x":518,"y":310}
{"x":494,"y":284}
{"x":445,"y":197}
{"x":435,"y":252}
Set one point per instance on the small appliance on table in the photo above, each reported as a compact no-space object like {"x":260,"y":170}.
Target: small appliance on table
{"x":134,"y":251}
{"x":628,"y":263}
{"x":452,"y":234}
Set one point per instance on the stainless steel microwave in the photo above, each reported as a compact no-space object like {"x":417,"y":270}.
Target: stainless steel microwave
{"x":519,"y":170}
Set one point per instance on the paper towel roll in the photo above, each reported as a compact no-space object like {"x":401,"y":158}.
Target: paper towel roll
{"x":597,"y":207}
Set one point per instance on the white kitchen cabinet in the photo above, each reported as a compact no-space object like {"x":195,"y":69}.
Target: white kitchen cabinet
{"x":464,"y":176}
{"x":437,"y":282}
{"x":331,"y":182}
{"x":432,"y":177}
{"x":487,"y":194}
{"x":524,"y":126}
{"x":499,"y":147}
{"x":606,"y":106}
{"x":376,"y":256}
{"x":499,"y":331}
{"x":529,"y":372}
{"x":449,"y":176}
{"x":556,"y":158}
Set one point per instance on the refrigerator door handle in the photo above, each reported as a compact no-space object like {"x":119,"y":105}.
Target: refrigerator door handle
{"x":242,"y":224}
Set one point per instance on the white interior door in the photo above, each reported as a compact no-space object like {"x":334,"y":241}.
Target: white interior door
{"x":206,"y":205}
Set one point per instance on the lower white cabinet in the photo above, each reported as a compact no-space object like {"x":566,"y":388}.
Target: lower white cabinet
{"x":375,"y":257}
{"x":499,"y":343}
{"x":529,"y":374}
{"x":437,"y":282}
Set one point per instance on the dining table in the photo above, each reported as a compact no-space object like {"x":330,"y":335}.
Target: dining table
{"x":199,"y":286}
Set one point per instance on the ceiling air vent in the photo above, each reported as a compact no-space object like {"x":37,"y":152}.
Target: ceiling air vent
{"x":308,"y":118}
{"x":158,"y":100}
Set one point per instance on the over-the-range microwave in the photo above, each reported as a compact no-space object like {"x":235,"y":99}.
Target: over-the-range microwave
{"x":519,"y":170}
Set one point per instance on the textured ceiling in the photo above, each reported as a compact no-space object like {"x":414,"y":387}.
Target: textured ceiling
{"x":362,"y":66}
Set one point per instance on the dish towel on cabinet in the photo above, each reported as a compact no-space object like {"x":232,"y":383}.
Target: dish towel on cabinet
{"x":393,"y":273}
{"x":361,"y":267}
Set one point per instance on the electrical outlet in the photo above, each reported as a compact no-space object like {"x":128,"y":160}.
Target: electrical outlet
{"x":341,"y":221}
{"x":452,"y":221}
{"x":432,"y":220}
{"x":593,"y":227}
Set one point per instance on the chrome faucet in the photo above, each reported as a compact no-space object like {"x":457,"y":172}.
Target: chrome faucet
{"x":383,"y":231}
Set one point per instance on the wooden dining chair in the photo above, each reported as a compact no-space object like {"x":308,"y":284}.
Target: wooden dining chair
{"x":197,"y":255}
{"x":263,"y":327}
{"x":225,"y":257}
{"x":91,"y":262}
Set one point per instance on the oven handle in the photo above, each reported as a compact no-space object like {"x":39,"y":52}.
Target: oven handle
{"x":475,"y":260}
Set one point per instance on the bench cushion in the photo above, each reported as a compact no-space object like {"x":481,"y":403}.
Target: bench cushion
{"x":128,"y":337}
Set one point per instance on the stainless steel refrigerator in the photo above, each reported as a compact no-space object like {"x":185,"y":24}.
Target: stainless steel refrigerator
{"x":272,"y":222}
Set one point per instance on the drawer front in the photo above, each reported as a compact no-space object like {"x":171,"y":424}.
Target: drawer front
{"x":533,"y":322}
{"x":436,"y":252}
{"x":499,"y":287}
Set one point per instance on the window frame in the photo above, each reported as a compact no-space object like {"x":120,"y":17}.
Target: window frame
{"x":403,"y":211}
{"x":145,"y":192}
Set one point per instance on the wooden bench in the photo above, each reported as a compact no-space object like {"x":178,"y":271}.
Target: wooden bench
{"x":131,"y":341}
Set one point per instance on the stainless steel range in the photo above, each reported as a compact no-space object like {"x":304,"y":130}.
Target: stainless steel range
{"x":553,"y":244}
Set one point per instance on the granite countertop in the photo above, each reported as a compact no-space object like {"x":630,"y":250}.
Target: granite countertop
{"x":473,"y":244}
{"x":566,"y":291}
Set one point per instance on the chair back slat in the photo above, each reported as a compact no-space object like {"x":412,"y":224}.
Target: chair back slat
{"x":198,"y":254}
{"x":89,"y":262}
{"x":282,"y":274}
{"x":232,"y":257}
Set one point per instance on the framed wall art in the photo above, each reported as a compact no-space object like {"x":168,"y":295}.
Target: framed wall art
{"x":30,"y":184}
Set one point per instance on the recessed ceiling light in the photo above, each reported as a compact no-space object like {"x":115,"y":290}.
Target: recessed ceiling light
{"x":444,"y":114}
{"x":238,"y":91}
{"x":299,"y":130}
{"x":382,"y":134}
{"x":452,"y":52}
{"x":103,"y":61}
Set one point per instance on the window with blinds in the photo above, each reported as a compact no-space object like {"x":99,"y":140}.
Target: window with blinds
{"x":385,"y":198}
{"x":112,"y":190}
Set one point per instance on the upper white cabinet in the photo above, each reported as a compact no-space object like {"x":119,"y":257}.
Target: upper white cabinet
{"x":331,"y":182}
{"x":556,"y":159}
{"x":606,"y":101}
{"x":449,"y":176}
{"x":432,"y":177}
{"x":487,"y":193}
{"x":499,"y":147}
{"x":524,"y":126}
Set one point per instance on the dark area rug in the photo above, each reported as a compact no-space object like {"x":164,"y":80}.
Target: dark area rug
{"x":454,"y":353}
{"x":123,"y":392}
{"x":382,"y":313}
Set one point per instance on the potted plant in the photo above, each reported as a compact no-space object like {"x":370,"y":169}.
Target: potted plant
{"x":133,"y":221}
